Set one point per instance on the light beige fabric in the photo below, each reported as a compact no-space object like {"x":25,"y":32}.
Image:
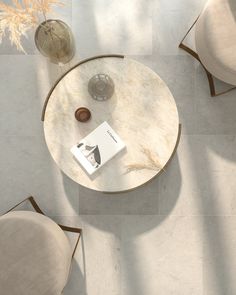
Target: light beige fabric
{"x":215,"y":38}
{"x":35,"y":255}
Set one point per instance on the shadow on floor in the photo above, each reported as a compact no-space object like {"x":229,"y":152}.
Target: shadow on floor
{"x":77,"y":283}
{"x":141,"y":201}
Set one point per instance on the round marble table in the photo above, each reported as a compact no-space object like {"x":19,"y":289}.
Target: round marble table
{"x":142,"y":111}
{"x":215,"y":37}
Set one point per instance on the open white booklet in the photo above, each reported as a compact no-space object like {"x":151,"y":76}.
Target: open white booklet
{"x":97,"y":148}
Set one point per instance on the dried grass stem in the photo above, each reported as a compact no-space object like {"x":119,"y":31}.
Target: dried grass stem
{"x":17,"y":18}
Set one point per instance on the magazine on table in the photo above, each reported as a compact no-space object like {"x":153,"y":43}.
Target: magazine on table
{"x":102,"y":144}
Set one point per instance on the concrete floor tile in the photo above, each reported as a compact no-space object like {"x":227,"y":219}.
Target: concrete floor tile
{"x":161,"y":256}
{"x":97,"y":265}
{"x":27,"y":169}
{"x":143,"y":200}
{"x":207,"y":165}
{"x":219,"y":257}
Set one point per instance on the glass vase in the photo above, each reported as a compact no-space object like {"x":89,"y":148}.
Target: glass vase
{"x":54,"y":39}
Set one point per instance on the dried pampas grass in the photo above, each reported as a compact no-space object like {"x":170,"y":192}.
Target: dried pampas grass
{"x":153,"y":162}
{"x":21,"y":16}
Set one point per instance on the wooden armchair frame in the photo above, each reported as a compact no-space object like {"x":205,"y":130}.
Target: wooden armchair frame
{"x":63,"y":227}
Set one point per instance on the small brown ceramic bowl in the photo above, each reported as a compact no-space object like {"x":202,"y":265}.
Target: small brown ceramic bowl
{"x":82,"y":114}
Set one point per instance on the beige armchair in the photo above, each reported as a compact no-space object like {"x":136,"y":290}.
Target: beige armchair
{"x":35,"y":253}
{"x":215,"y":40}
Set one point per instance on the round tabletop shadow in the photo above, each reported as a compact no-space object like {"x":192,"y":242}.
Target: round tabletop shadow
{"x":157,"y":197}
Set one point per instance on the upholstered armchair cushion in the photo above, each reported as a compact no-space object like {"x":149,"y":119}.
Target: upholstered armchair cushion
{"x":35,"y":255}
{"x":216,"y":39}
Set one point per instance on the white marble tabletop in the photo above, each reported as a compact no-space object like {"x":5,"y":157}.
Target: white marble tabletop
{"x":142,"y":111}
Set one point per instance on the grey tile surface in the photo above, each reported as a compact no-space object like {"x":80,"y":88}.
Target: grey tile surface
{"x":176,"y":234}
{"x":219,"y":255}
{"x":113,"y":26}
{"x":207,"y":166}
{"x":27,"y":169}
{"x":143,"y":200}
{"x":161,"y":256}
